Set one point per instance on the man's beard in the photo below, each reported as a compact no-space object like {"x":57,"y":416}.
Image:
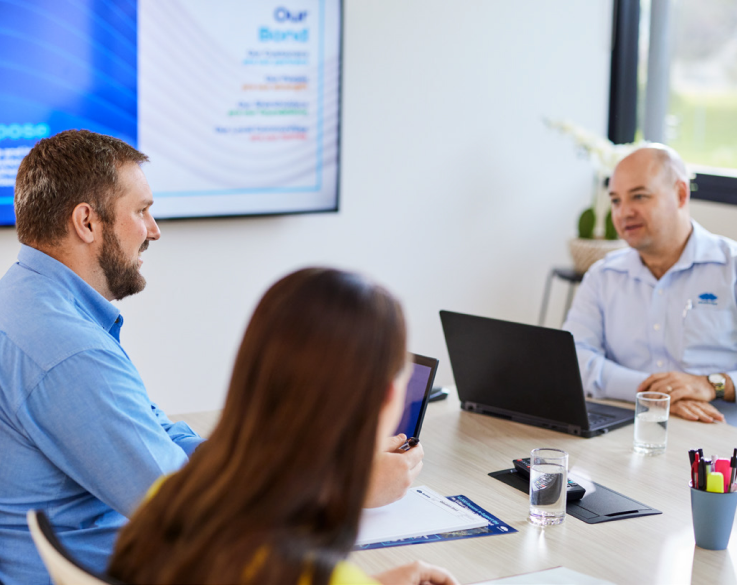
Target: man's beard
{"x":123,"y":278}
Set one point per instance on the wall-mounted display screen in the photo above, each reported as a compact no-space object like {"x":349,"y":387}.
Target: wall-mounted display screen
{"x":236,"y":102}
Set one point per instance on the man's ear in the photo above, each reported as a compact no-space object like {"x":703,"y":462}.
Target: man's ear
{"x":683,"y":193}
{"x":86,"y":223}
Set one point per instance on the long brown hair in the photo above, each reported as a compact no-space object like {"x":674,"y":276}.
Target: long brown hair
{"x":276,"y":492}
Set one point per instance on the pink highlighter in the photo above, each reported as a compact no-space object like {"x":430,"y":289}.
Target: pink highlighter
{"x":722,"y":466}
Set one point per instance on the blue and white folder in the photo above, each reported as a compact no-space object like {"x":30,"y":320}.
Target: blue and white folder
{"x":423,"y":515}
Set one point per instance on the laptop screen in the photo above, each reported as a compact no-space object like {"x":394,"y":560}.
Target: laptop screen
{"x":418,"y":390}
{"x":514,"y":368}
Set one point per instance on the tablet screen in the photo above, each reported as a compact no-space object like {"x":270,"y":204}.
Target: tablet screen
{"x":415,"y":401}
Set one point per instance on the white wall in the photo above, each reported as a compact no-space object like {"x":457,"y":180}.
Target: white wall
{"x":454,"y":193}
{"x":716,"y":217}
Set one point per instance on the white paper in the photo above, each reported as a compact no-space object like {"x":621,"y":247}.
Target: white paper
{"x":420,"y":513}
{"x":556,"y":576}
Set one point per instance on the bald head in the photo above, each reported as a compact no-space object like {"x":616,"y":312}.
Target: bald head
{"x":660,"y":160}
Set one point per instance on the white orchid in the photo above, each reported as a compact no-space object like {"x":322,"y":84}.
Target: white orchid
{"x":602,"y":152}
{"x":604,"y":155}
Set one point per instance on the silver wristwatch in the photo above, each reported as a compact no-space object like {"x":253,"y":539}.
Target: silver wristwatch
{"x":718,"y":381}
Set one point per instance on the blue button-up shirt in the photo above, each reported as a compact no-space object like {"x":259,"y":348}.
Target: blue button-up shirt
{"x":628,"y":325}
{"x":79,"y":437}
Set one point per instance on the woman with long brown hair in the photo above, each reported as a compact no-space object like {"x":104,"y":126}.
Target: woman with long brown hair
{"x":274,"y":497}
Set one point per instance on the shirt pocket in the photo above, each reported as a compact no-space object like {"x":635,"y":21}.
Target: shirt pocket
{"x":709,"y":339}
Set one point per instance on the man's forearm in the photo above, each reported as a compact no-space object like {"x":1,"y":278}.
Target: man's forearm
{"x":604,"y":378}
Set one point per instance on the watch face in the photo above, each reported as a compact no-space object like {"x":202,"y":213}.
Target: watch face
{"x":717,"y":379}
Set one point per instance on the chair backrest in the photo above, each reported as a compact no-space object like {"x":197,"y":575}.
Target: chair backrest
{"x":64,"y":570}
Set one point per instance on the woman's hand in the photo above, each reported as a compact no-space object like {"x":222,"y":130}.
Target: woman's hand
{"x":393,"y":472}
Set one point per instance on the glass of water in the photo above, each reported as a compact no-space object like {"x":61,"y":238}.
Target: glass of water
{"x":651,"y":422}
{"x":548,"y":486}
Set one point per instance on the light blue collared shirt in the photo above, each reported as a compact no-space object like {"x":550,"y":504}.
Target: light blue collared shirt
{"x":79,"y":437}
{"x":628,"y":325}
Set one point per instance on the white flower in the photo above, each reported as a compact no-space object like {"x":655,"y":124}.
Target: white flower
{"x":602,"y":152}
{"x":604,"y":155}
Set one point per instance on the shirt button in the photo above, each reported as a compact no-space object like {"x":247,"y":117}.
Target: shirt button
{"x":660,"y":291}
{"x":656,"y":327}
{"x":660,"y":363}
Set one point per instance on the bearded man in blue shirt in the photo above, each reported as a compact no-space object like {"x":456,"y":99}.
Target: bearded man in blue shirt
{"x":79,"y":437}
{"x":660,"y":315}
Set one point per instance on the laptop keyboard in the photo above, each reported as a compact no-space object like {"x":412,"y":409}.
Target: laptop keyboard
{"x":597,"y":419}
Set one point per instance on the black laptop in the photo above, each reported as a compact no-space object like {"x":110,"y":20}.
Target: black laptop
{"x":418,"y":391}
{"x":524,"y":373}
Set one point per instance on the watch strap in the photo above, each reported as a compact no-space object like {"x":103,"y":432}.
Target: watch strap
{"x":718,"y":387}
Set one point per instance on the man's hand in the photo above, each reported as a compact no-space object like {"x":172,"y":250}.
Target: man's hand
{"x":680,"y":386}
{"x":696,"y":410}
{"x":417,"y":573}
{"x":393,"y":472}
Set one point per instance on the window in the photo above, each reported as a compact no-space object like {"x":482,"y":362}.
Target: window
{"x":674,"y":80}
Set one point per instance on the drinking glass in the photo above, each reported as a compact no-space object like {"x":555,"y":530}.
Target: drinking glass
{"x":548,"y":483}
{"x":651,"y":422}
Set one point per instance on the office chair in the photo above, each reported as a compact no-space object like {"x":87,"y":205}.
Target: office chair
{"x":64,"y":570}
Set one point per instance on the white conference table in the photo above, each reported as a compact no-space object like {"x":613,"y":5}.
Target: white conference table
{"x":461,"y":448}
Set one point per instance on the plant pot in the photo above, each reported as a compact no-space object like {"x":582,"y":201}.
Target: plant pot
{"x":586,"y":252}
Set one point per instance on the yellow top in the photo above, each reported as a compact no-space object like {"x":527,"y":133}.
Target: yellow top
{"x":344,"y":573}
{"x":347,"y":574}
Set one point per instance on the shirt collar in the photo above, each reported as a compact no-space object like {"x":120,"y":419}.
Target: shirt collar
{"x":626,"y":260}
{"x":98,"y":307}
{"x":702,"y":247}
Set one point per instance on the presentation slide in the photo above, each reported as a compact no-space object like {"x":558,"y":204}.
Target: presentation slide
{"x":236,"y":102}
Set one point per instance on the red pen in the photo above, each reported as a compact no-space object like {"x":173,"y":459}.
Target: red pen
{"x":695,"y":472}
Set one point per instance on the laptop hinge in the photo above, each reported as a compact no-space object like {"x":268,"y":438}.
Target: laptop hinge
{"x":526,"y":419}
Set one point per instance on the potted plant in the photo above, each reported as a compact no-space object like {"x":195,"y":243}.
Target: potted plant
{"x":596,"y":234}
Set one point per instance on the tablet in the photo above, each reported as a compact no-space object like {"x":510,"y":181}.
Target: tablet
{"x":418,"y":390}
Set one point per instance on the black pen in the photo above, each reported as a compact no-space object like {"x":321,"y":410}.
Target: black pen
{"x":409,"y":443}
{"x":733,"y":465}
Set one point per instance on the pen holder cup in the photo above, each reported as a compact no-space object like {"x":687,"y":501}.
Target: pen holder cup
{"x":713,"y":516}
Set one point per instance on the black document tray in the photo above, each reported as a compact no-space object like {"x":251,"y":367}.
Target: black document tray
{"x":599,"y":504}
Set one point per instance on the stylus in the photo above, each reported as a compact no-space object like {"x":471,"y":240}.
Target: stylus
{"x":409,"y":443}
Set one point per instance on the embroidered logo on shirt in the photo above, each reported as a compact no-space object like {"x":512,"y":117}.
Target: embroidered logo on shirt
{"x":707,"y":299}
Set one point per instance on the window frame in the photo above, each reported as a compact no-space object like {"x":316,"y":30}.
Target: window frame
{"x":623,"y":99}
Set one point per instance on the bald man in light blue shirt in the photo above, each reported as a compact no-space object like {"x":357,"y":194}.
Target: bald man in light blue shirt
{"x":661,"y":315}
